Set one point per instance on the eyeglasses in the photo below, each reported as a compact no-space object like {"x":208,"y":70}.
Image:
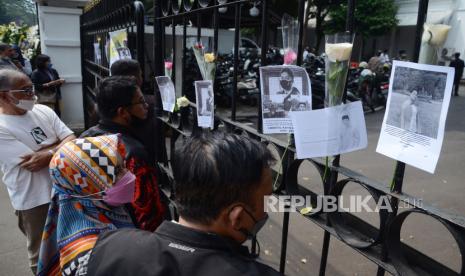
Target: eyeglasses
{"x":30,"y":91}
{"x":141,"y":101}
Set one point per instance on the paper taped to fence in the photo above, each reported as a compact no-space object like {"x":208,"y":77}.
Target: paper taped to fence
{"x":119,"y":46}
{"x":284,"y":89}
{"x":416,"y":111}
{"x":329,"y":131}
{"x":167,"y":92}
{"x":205,"y":100}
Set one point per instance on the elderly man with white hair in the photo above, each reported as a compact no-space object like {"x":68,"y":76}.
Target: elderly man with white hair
{"x":29,"y":136}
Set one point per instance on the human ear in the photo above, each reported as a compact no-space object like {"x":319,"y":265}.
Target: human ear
{"x":122,"y":112}
{"x":236,"y":218}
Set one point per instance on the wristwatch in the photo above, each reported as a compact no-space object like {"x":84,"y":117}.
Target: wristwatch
{"x":52,"y":152}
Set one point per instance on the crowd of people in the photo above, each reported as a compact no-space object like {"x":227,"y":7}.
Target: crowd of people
{"x":46,"y":80}
{"x":93,"y":206}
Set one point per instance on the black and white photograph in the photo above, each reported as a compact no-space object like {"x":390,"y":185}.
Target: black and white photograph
{"x":330,"y":131}
{"x":416,"y":112}
{"x":416,"y":100}
{"x":167,"y":92}
{"x":349,"y":134}
{"x":205,"y":103}
{"x":97,"y":53}
{"x":284,"y":89}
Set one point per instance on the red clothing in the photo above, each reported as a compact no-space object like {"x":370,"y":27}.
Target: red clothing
{"x":147,"y":209}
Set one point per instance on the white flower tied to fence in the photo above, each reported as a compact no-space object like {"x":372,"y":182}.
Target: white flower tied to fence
{"x":338,"y":50}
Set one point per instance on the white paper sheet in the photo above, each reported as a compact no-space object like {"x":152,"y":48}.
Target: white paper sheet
{"x":167,"y":92}
{"x":415,"y":118}
{"x":278,"y":100}
{"x":205,"y":99}
{"x":329,"y":131}
{"x":97,"y":53}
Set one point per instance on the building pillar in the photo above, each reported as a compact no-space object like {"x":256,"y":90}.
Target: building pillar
{"x":60,"y":39}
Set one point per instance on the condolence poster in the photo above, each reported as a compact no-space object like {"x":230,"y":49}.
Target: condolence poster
{"x":284,"y":89}
{"x":415,"y":118}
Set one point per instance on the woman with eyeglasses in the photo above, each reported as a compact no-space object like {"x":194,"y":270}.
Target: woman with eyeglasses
{"x":47,"y":83}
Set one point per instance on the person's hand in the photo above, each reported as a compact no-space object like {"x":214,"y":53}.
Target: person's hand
{"x":61,"y":81}
{"x":36,"y":161}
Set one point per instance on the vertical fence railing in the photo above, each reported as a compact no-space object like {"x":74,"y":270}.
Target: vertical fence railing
{"x":380,"y":245}
{"x":95,"y":24}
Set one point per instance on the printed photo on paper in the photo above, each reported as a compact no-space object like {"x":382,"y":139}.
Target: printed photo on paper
{"x":119,"y":46}
{"x":97,"y":53}
{"x":284,"y":89}
{"x":205,"y":103}
{"x":167,"y":92}
{"x":414,"y":122}
{"x":330,"y":131}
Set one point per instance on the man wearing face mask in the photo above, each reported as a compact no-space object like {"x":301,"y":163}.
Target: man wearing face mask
{"x":29,"y":136}
{"x":122,"y":107}
{"x":291,"y":94}
{"x":220,"y":184}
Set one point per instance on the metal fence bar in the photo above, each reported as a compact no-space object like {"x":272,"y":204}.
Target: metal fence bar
{"x":184,"y":51}
{"x":237,"y":34}
{"x":264,"y":47}
{"x":173,"y":42}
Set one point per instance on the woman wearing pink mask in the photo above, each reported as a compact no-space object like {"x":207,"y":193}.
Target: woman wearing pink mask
{"x":91,"y":188}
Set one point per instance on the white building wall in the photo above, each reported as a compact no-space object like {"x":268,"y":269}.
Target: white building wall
{"x":60,"y":39}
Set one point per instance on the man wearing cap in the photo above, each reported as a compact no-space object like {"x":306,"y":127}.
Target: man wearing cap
{"x":29,"y":137}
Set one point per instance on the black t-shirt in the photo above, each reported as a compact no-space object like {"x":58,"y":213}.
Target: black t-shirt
{"x":172,"y":250}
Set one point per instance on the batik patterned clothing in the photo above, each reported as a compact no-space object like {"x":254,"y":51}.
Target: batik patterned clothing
{"x":81,"y":171}
{"x":148,"y":207}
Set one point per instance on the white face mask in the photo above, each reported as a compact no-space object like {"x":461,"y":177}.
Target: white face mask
{"x":27,"y":104}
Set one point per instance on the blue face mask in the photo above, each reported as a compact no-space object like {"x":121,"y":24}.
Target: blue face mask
{"x":49,"y":66}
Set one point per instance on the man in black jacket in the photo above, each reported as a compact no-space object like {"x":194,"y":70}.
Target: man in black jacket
{"x":221,"y":181}
{"x":458,"y":64}
{"x":147,"y":129}
{"x":122,"y":107}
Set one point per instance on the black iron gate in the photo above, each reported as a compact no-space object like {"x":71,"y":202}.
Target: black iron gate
{"x":382,"y":244}
{"x":96,"y":22}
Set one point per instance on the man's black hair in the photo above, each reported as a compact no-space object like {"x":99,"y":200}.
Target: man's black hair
{"x":115,"y":92}
{"x":214,"y":170}
{"x":125,"y":67}
{"x":288,"y":71}
{"x":457,"y":55}
{"x":41,"y":60}
{"x":4,"y":47}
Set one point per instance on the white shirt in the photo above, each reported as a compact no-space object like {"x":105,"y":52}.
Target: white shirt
{"x":21,"y":135}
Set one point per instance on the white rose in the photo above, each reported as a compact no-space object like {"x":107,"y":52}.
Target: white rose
{"x":338,"y":51}
{"x":182,"y":102}
{"x":435,"y":34}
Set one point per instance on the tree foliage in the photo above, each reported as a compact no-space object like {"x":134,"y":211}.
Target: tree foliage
{"x":319,"y":10}
{"x":371,"y":18}
{"x":20,"y":11}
